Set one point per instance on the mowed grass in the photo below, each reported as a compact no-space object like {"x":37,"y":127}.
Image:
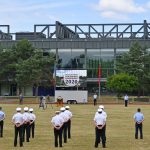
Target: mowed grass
{"x":120,"y":128}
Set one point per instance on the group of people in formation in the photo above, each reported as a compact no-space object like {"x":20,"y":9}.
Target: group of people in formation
{"x":24,"y":125}
{"x":62,"y":125}
{"x":100,"y":126}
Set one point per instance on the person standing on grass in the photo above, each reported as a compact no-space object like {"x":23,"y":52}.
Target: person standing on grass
{"x":138,"y":118}
{"x":18,"y":122}
{"x":20,"y":99}
{"x":69,"y":113}
{"x":105,"y":115}
{"x":99,"y":122}
{"x":26,"y":126}
{"x":126,"y":99}
{"x":95,"y":99}
{"x":2,"y":117}
{"x":32,"y":122}
{"x":57,"y":123}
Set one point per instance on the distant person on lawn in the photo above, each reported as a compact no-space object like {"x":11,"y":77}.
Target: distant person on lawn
{"x":126,"y":99}
{"x":20,"y":99}
{"x":95,"y":99}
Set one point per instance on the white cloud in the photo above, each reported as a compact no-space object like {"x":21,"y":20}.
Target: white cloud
{"x":112,"y":14}
{"x":118,"y":8}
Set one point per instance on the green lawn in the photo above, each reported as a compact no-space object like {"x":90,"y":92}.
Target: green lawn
{"x":120,"y":128}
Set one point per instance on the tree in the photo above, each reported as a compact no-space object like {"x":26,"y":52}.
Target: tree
{"x":122,"y":83}
{"x":25,"y":65}
{"x":136,"y":62}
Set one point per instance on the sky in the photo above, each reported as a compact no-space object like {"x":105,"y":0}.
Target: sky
{"x":21,"y":15}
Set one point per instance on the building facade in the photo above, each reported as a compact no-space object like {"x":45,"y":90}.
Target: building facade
{"x":82,"y":46}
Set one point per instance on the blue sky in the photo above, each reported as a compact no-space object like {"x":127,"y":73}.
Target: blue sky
{"x":21,"y":15}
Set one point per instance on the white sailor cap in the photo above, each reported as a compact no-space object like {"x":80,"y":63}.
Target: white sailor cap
{"x":26,"y":108}
{"x":18,"y":109}
{"x":99,"y":110}
{"x":67,"y":107}
{"x":62,"y":109}
{"x":57,"y":112}
{"x":31,"y":109}
{"x":101,"y":106}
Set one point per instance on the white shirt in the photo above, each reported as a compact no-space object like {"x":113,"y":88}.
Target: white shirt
{"x":57,"y":120}
{"x":26,"y":117}
{"x":69,"y":114}
{"x":18,"y":118}
{"x":2,"y":115}
{"x":95,"y":96}
{"x":103,"y":113}
{"x":64,"y":116}
{"x":32,"y":116}
{"x":126,"y":98}
{"x":99,"y":119}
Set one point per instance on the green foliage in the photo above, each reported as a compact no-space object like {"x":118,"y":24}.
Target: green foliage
{"x":122,"y":83}
{"x":137,"y":63}
{"x":25,"y":65}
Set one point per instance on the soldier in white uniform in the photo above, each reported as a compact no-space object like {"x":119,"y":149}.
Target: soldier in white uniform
{"x":2,"y":117}
{"x":99,"y":122}
{"x":26,"y":126}
{"x":65,"y":119}
{"x":69,"y":113}
{"x":18,"y":121}
{"x":105,"y":115}
{"x":57,"y":123}
{"x":32,"y":122}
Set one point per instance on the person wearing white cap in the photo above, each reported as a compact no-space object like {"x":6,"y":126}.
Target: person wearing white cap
{"x":99,"y":122}
{"x":32,"y":122}
{"x":65,"y":119}
{"x":26,"y":126}
{"x":105,"y":115}
{"x":2,"y":117}
{"x":69,"y":113}
{"x":18,"y":121}
{"x":57,"y":123}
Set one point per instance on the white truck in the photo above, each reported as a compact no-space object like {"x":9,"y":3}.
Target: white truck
{"x":71,"y":96}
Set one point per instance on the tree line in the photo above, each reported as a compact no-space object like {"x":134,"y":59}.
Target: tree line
{"x":132,"y":72}
{"x":25,"y":65}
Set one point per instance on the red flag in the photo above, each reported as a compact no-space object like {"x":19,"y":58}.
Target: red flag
{"x":99,"y":74}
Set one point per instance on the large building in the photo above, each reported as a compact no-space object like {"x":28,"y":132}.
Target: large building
{"x":81,"y":46}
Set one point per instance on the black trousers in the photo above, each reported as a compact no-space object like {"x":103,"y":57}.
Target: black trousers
{"x":26,"y":130}
{"x":140,"y":128}
{"x":69,"y":128}
{"x":100,"y":135}
{"x":64,"y":128}
{"x":18,"y":130}
{"x":58,"y":135}
{"x":1,"y":128}
{"x":126,"y":103}
{"x":95,"y":102}
{"x":32,"y":127}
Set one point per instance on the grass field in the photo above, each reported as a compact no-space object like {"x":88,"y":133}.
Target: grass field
{"x":120,"y":128}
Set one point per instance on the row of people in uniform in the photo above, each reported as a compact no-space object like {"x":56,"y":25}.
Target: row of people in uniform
{"x":100,"y":126}
{"x":24,"y":124}
{"x":62,"y":125}
{"x":59,"y":123}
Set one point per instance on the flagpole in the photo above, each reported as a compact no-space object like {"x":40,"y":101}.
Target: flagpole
{"x":99,"y":91}
{"x":99,"y":81}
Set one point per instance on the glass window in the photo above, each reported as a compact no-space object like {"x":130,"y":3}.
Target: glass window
{"x":71,"y":58}
{"x":102,"y":57}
